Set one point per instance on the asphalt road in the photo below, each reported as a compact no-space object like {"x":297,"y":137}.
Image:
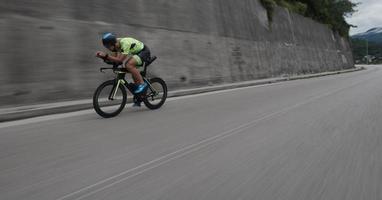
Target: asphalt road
{"x":309,"y":139}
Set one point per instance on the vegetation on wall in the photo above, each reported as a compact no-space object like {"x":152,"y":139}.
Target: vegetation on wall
{"x":330,"y":12}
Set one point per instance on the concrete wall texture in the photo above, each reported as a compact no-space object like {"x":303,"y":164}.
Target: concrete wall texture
{"x":47,"y":47}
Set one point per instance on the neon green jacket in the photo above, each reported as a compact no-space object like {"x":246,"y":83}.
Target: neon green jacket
{"x":130,"y":46}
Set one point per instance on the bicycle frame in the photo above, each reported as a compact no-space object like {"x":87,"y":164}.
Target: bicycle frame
{"x":120,"y":79}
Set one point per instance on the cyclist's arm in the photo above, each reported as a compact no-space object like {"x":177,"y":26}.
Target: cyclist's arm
{"x":119,"y":58}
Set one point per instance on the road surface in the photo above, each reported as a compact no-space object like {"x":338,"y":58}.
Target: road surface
{"x":309,"y":139}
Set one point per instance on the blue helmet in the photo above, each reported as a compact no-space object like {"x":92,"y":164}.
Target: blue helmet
{"x":108,"y":39}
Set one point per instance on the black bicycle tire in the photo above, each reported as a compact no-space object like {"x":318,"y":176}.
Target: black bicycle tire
{"x":164,"y":86}
{"x":97,"y":93}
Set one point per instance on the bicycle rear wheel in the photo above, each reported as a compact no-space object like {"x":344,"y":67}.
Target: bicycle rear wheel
{"x":109,"y":101}
{"x":156,"y":94}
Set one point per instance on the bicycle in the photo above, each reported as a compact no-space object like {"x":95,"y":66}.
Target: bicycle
{"x":110,"y":97}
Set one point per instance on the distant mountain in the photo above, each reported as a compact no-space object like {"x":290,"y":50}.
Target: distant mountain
{"x":372,"y":35}
{"x":373,"y":48}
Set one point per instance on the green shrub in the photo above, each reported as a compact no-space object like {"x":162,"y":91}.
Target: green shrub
{"x":269,"y":5}
{"x":330,"y":12}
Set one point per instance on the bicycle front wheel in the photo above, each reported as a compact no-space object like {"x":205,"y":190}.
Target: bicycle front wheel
{"x":108,"y":100}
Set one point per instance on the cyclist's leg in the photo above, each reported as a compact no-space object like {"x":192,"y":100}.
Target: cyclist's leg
{"x":143,"y":56}
{"x":130,"y":64}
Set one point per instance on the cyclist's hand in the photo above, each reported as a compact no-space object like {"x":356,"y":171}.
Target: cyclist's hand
{"x":100,"y":54}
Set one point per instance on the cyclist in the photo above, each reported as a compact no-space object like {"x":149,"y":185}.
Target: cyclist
{"x":128,"y":51}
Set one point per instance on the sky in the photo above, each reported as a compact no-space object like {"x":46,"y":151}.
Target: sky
{"x":369,"y":15}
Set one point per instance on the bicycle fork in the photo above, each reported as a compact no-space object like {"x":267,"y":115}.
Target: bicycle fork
{"x":114,"y":90}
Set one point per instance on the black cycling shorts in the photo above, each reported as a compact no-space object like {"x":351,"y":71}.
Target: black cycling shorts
{"x":144,"y":54}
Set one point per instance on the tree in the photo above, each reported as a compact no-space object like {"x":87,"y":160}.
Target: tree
{"x":331,"y":12}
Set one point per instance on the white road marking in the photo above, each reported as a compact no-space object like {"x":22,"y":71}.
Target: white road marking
{"x":44,"y":118}
{"x":91,"y":111}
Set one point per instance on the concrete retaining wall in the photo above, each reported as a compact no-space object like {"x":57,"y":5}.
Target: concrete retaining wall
{"x":47,"y":47}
